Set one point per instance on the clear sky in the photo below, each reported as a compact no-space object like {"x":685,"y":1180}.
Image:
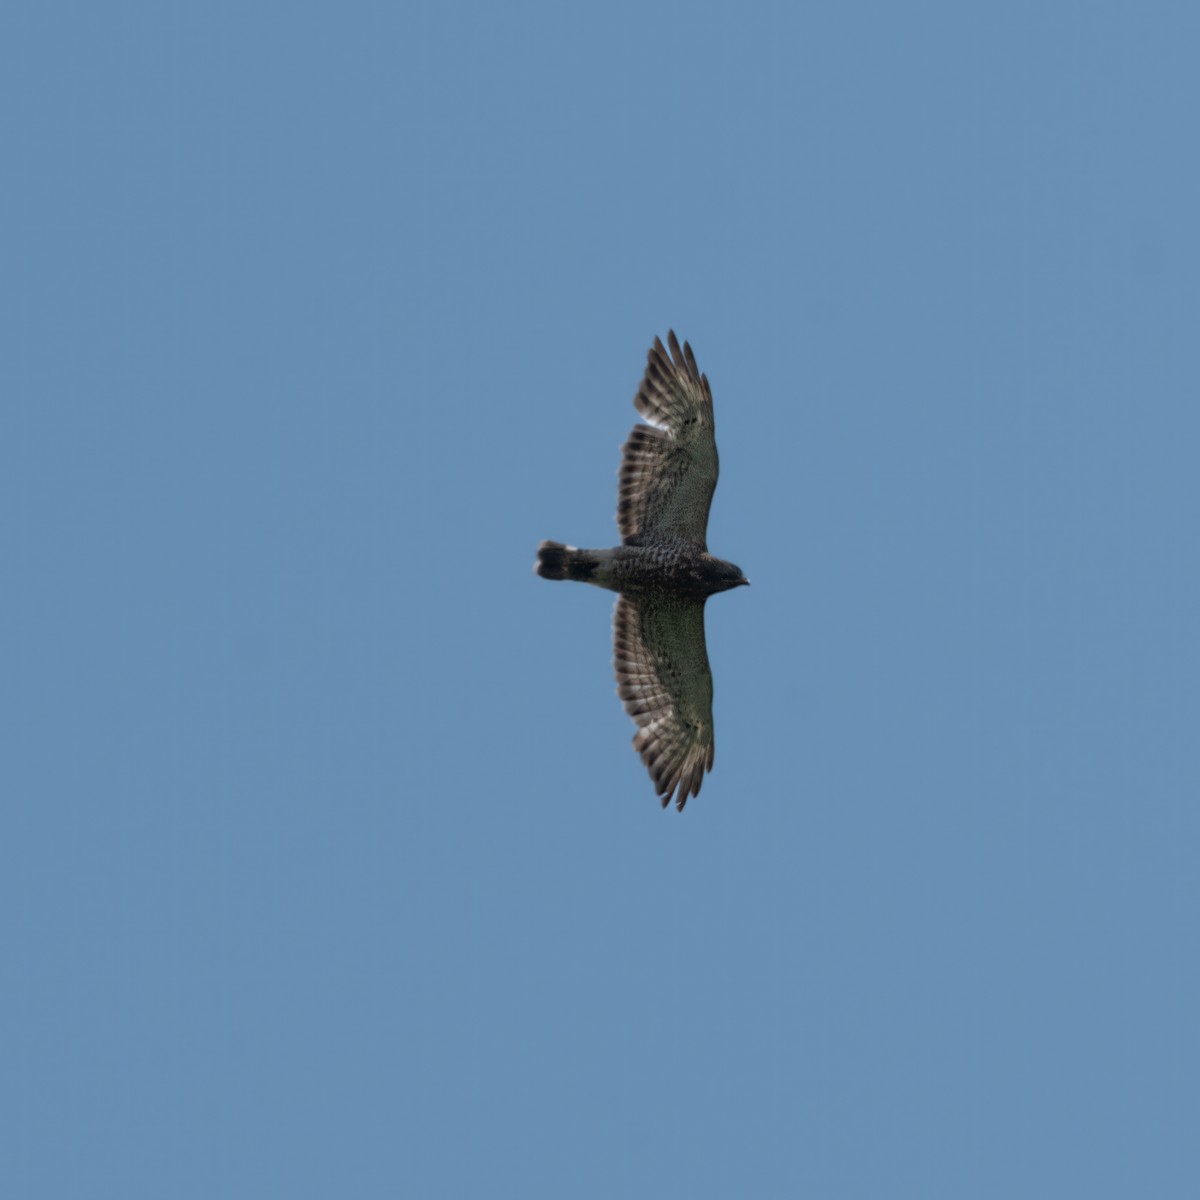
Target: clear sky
{"x":327,"y":868}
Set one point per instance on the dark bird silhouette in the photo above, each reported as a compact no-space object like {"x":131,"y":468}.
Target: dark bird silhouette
{"x":663,"y":572}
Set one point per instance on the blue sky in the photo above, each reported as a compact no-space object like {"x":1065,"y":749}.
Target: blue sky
{"x":327,"y":867}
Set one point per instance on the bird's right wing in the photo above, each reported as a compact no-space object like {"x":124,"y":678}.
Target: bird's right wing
{"x":669,"y":467}
{"x":665,"y":681}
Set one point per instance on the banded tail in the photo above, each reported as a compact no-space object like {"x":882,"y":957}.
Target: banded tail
{"x":556,"y":561}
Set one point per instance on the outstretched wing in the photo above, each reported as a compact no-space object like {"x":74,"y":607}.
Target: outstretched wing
{"x":669,"y":468}
{"x":664,"y":679}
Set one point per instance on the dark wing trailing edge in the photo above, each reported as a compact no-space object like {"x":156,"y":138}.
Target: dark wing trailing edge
{"x":669,"y":468}
{"x":664,"y":679}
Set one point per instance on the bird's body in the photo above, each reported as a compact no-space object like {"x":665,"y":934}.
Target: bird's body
{"x":671,"y":565}
{"x":663,"y":572}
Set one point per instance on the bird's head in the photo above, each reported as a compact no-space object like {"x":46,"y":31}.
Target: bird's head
{"x":727,"y":575}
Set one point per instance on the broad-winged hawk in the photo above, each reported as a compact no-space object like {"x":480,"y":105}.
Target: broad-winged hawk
{"x":663,"y":572}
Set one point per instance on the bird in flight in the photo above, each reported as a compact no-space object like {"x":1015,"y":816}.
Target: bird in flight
{"x":662,"y":572}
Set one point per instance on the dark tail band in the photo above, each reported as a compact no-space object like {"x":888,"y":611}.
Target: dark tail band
{"x":556,"y":561}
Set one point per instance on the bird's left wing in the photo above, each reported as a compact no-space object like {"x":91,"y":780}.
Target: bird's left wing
{"x":669,"y":467}
{"x":664,"y":679}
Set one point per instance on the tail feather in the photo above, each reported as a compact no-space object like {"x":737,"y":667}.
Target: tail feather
{"x":556,"y":561}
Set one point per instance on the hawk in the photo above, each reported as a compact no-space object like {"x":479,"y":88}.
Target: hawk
{"x":662,"y":571}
